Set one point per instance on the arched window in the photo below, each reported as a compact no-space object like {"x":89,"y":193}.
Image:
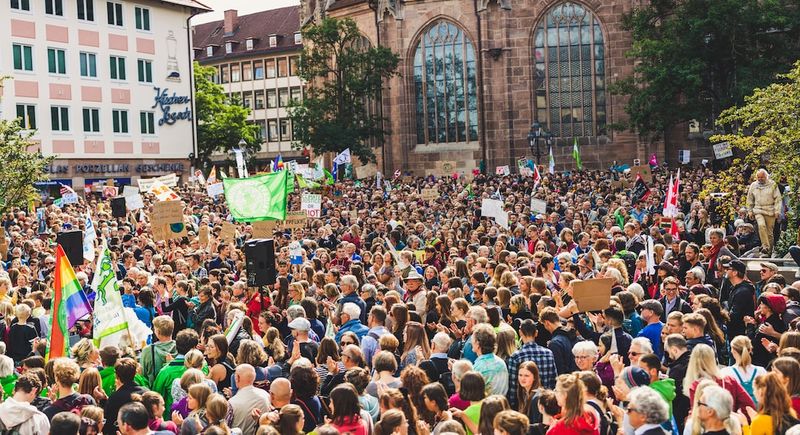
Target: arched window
{"x":570,"y":72}
{"x":445,"y":85}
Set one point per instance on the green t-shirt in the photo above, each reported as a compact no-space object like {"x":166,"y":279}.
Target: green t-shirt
{"x":473,"y":412}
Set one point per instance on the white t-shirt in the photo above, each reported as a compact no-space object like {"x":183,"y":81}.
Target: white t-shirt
{"x":744,"y":375}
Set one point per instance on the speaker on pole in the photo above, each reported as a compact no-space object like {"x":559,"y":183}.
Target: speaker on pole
{"x":118,"y":208}
{"x":260,"y":260}
{"x":72,"y":242}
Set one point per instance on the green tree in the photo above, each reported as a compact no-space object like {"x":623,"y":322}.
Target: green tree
{"x":343,"y":77}
{"x":696,"y":58}
{"x":221,"y":122}
{"x":767,"y":134}
{"x":21,"y":168}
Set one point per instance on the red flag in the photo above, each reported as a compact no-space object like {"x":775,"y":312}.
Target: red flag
{"x":673,"y":230}
{"x":640,"y":191}
{"x":537,"y":177}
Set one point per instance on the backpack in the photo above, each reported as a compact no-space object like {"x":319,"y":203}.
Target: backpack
{"x":4,"y":430}
{"x":747,"y":385}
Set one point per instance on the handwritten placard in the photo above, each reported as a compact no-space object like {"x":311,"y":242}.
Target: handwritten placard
{"x":295,"y":220}
{"x":429,"y":195}
{"x":366,"y":171}
{"x":264,"y":229}
{"x":228,"y":232}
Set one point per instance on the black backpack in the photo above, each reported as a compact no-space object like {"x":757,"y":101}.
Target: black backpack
{"x":4,"y":430}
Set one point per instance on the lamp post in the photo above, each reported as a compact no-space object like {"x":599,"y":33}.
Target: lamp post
{"x":536,"y":133}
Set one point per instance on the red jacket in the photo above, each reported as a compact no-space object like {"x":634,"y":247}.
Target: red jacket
{"x":741,"y":400}
{"x":254,"y":307}
{"x":586,"y":424}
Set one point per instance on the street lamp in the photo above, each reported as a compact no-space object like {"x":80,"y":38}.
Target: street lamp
{"x":534,"y":135}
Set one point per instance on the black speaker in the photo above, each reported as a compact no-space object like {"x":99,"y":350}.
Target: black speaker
{"x":118,"y":206}
{"x":72,"y":242}
{"x":260,"y":259}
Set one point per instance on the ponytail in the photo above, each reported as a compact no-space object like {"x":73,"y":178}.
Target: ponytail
{"x":572,"y":387}
{"x":743,"y":346}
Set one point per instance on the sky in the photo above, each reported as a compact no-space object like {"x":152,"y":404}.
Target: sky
{"x":243,"y":6}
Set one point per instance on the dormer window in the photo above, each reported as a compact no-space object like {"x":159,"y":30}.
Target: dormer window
{"x":249,"y":43}
{"x":273,"y":40}
{"x":229,"y":47}
{"x":210,"y":50}
{"x":298,"y":38}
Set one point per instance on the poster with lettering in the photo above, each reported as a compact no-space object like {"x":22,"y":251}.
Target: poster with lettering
{"x":538,"y":206}
{"x":147,"y":184}
{"x":295,"y":220}
{"x":429,"y":195}
{"x":723,"y":150}
{"x":164,"y":193}
{"x":215,"y":189}
{"x":110,"y":191}
{"x":644,"y":171}
{"x":166,"y":220}
{"x":264,"y":229}
{"x":503,"y":170}
{"x":228,"y":232}
{"x":366,"y":171}
{"x":311,"y":203}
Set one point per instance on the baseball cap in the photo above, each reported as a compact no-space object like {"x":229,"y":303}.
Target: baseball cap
{"x":300,"y":324}
{"x":737,"y":266}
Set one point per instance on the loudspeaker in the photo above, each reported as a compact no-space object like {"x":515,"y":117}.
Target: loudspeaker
{"x":72,"y":242}
{"x":118,"y":206}
{"x":260,"y":260}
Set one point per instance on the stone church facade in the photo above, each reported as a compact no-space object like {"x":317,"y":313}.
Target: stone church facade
{"x":474,"y":75}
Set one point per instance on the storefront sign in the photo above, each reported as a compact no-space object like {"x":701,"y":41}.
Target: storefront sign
{"x":165,"y":102}
{"x":102,"y":169}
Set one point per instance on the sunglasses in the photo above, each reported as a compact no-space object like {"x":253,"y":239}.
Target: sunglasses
{"x":634,"y":354}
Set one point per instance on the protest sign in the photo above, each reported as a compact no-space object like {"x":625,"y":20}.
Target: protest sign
{"x":429,"y":195}
{"x":108,"y":192}
{"x":723,"y":150}
{"x":71,"y":198}
{"x":264,"y":229}
{"x":147,"y":184}
{"x":295,"y":253}
{"x":134,"y":202}
{"x":491,"y":207}
{"x":538,"y":206}
{"x":228,"y":232}
{"x":295,"y":220}
{"x":592,"y":294}
{"x":503,"y":170}
{"x":215,"y":189}
{"x":163,"y":192}
{"x":130,"y":190}
{"x":203,"y":235}
{"x":311,"y":203}
{"x":166,"y":220}
{"x":366,"y":171}
{"x":3,"y":246}
{"x":685,"y":156}
{"x":644,"y":171}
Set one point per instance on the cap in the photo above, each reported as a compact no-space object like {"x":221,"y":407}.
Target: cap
{"x":635,"y":377}
{"x":769,"y":265}
{"x":775,"y":302}
{"x":652,"y":305}
{"x":737,"y":266}
{"x":300,"y":324}
{"x":413,"y":275}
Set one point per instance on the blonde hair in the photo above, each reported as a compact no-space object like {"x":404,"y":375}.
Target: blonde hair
{"x":694,"y":419}
{"x":572,"y":388}
{"x":191,"y":377}
{"x":200,"y":392}
{"x":194,"y":359}
{"x":82,"y":351}
{"x":619,"y":265}
{"x":741,"y":344}
{"x":702,"y":365}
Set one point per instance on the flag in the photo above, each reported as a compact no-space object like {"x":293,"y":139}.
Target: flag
{"x":671,"y":201}
{"x":342,"y":158}
{"x":258,"y":198}
{"x":470,"y":193}
{"x":673,"y":230}
{"x":552,"y":166}
{"x":576,"y":154}
{"x":68,"y":305}
{"x":650,"y":256}
{"x":653,"y":161}
{"x":108,"y":319}
{"x":306,"y":184}
{"x":234,"y":327}
{"x":537,"y":177}
{"x":640,"y":191}
{"x":278,"y":164}
{"x":329,"y":180}
{"x":89,"y":236}
{"x":65,"y":190}
{"x":667,"y":199}
{"x":241,"y":165}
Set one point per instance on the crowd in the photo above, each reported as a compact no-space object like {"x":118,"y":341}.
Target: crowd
{"x":414,"y":317}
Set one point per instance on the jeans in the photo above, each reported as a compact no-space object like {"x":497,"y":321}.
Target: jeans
{"x":794,"y":251}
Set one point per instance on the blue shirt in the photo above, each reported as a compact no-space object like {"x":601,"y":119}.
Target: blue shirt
{"x":355,"y":326}
{"x":494,"y":371}
{"x":653,"y":333}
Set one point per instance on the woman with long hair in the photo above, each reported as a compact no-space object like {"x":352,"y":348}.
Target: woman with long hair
{"x":394,"y":399}
{"x":743,"y":369}
{"x":282,"y":297}
{"x":88,"y":381}
{"x":715,"y":332}
{"x":576,"y":416}
{"x":490,"y":407}
{"x":327,"y":349}
{"x":154,"y":404}
{"x":788,"y":371}
{"x":85,"y":354}
{"x":393,"y":422}
{"x":416,"y":348}
{"x":346,"y":411}
{"x":274,"y":346}
{"x":414,"y":380}
{"x":291,"y":420}
{"x":703,"y":365}
{"x":305,"y":385}
{"x":775,"y":412}
{"x":217,"y":356}
{"x":435,"y":399}
{"x":473,"y":389}
{"x":399,"y":316}
{"x":197,"y":399}
{"x":529,"y":385}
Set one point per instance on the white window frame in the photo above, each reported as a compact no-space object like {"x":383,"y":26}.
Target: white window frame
{"x":62,"y":110}
{"x":85,"y":10}
{"x":19,"y":7}
{"x":146,"y":62}
{"x":273,"y":40}
{"x":52,"y":4}
{"x":93,"y":129}
{"x":149,"y":119}
{"x":124,"y":69}
{"x":57,"y":49}
{"x":22,"y":53}
{"x":141,"y":9}
{"x":298,"y":38}
{"x":87,"y":55}
{"x":249,"y":43}
{"x":26,"y":109}
{"x":119,"y":20}
{"x":228,"y":47}
{"x":210,"y":51}
{"x":118,"y":113}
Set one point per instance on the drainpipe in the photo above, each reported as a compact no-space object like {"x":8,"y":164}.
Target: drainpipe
{"x":481,"y":113}
{"x":191,"y":87}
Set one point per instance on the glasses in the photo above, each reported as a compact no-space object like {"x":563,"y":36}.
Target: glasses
{"x":634,"y":353}
{"x":703,"y":404}
{"x":764,"y":270}
{"x":632,"y":410}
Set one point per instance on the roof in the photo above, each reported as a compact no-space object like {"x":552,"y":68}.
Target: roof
{"x":189,"y":3}
{"x":284,"y":22}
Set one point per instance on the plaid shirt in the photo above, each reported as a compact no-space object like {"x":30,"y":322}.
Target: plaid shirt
{"x":542,"y":356}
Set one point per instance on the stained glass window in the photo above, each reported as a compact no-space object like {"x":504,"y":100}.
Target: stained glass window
{"x":445,"y":72}
{"x":569,"y":73}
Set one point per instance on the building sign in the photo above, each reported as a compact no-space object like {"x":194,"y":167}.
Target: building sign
{"x":159,"y":167}
{"x":165,"y":102}
{"x":117,"y":168}
{"x":56,"y":169}
{"x":102,"y":169}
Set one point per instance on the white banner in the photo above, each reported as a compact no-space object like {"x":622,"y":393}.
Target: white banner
{"x":723,"y":150}
{"x":215,"y":189}
{"x":538,"y":206}
{"x":134,"y":202}
{"x":89,"y":236}
{"x":491,"y":207}
{"x":311,"y":203}
{"x":163,"y":192}
{"x":146,"y":184}
{"x":108,"y":317}
{"x":69,"y":198}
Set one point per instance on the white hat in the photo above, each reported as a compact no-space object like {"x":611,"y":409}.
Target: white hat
{"x":300,"y":324}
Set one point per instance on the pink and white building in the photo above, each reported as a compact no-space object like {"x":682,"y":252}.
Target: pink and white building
{"x":106,"y":85}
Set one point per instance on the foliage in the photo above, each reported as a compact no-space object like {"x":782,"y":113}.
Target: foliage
{"x":343,"y":77}
{"x":21,"y":168}
{"x":221,"y":123}
{"x":767,"y":135}
{"x":696,"y":58}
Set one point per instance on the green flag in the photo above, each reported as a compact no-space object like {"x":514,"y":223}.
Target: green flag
{"x":328,"y":178}
{"x":576,"y":154}
{"x":258,"y":198}
{"x":306,"y":184}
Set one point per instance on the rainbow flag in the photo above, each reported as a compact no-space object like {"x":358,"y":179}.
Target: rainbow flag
{"x":69,"y":305}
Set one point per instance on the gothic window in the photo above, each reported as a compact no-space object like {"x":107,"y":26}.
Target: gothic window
{"x":445,"y":72}
{"x":570,"y":72}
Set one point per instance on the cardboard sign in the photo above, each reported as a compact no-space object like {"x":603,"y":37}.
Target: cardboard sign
{"x":168,"y":231}
{"x":644,"y":171}
{"x":228,"y":232}
{"x":429,"y":195}
{"x":134,"y":202}
{"x":109,"y":192}
{"x":295,"y":220}
{"x":130,"y":190}
{"x":3,"y":247}
{"x":167,"y":212}
{"x":311,"y":203}
{"x":264,"y":229}
{"x":723,"y":150}
{"x":366,"y":171}
{"x":215,"y":189}
{"x":593,"y":294}
{"x":538,"y":206}
{"x":448,"y":167}
{"x":203,"y":235}
{"x":169,"y":180}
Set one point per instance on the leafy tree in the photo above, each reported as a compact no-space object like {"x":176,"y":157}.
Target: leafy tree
{"x":696,"y":58}
{"x":767,"y":135}
{"x":343,"y":77}
{"x":221,"y":123}
{"x":21,"y":168}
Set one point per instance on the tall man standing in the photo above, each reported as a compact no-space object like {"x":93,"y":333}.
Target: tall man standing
{"x":764,"y":201}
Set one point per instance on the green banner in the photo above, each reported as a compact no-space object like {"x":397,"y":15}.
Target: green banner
{"x":258,"y":198}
